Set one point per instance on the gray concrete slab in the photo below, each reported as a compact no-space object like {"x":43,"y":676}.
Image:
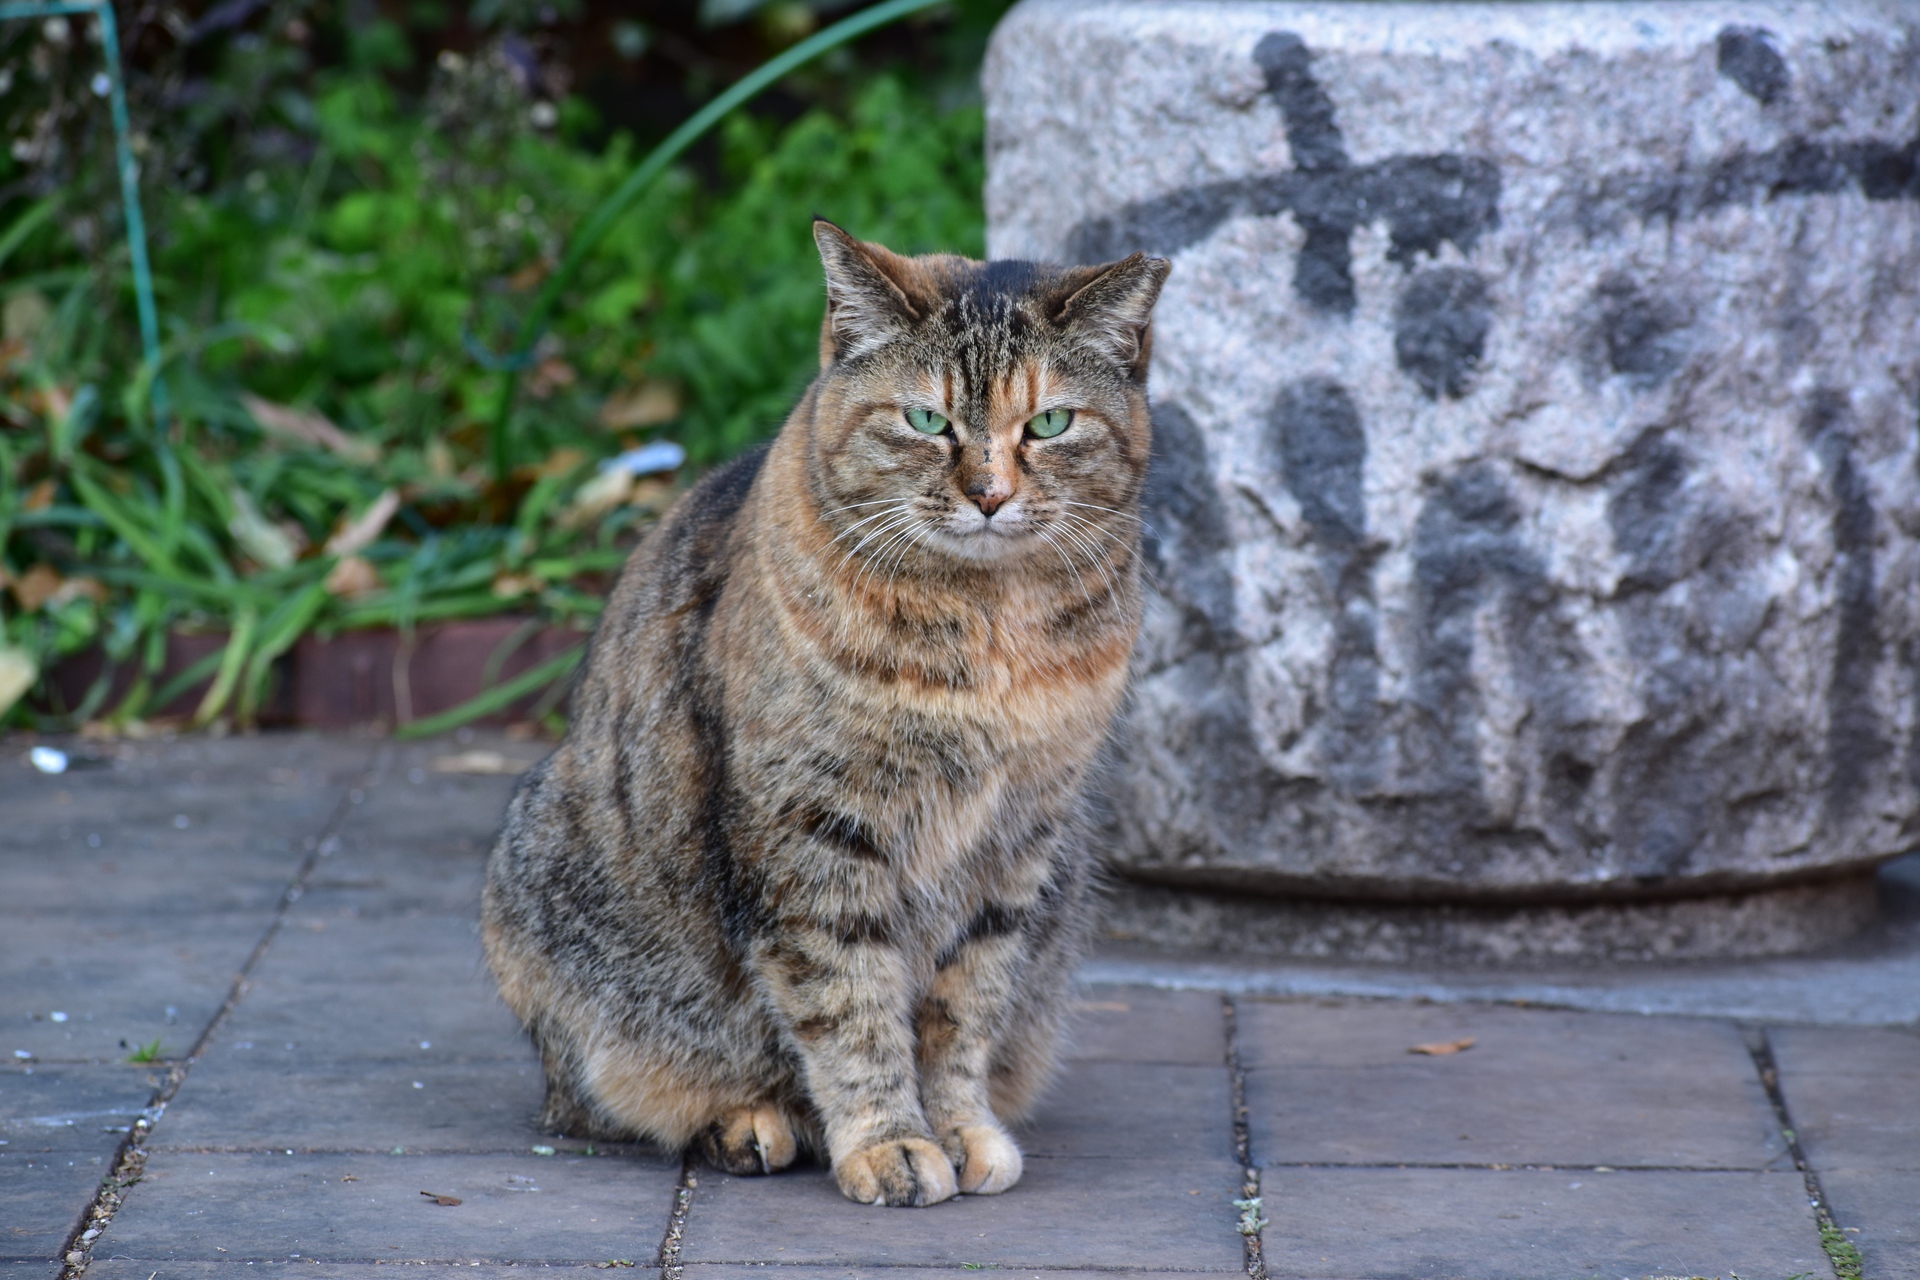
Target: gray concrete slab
{"x":60,"y":1127}
{"x":1148,"y":1024}
{"x":1065,"y":1213}
{"x":344,"y":985}
{"x":44,"y":1196}
{"x":776,"y":1271}
{"x":267,"y":1099}
{"x":420,"y":840}
{"x":123,"y":981}
{"x":1474,"y":1224}
{"x":1122,"y":1110}
{"x":70,"y":1108}
{"x":360,"y":1208}
{"x":1854,"y":1094}
{"x":1878,"y":1210}
{"x":1336,"y":1083}
{"x":417,"y":1269}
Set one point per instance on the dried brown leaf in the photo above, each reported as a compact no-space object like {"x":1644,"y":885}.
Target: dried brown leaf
{"x":1441,"y":1048}
{"x":437,"y":1198}
{"x":308,"y":426}
{"x":357,"y":535}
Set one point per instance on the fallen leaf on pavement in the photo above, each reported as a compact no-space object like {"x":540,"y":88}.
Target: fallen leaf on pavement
{"x":437,"y":1198}
{"x":1441,"y":1048}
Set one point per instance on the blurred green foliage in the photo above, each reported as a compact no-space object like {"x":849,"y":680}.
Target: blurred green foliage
{"x":333,"y":241}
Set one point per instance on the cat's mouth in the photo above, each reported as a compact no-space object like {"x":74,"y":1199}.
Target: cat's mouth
{"x":972,"y":535}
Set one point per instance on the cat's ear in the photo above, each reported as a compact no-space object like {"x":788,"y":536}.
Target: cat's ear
{"x":1110,"y":308}
{"x":868,"y":304}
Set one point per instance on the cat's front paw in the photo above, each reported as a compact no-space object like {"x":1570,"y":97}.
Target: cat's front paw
{"x":751,"y":1140}
{"x":985,"y":1157}
{"x":907,"y":1171}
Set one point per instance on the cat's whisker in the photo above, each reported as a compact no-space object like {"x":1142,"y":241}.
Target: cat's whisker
{"x":1094,"y":506}
{"x":1068,"y":518}
{"x":878,"y":515}
{"x":899,"y":516}
{"x":875,"y":560}
{"x":1046,"y":536}
{"x":854,"y":506}
{"x":1095,"y":561}
{"x":1075,"y":528}
{"x":918,"y":535}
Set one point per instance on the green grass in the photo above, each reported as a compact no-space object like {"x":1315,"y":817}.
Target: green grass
{"x":1841,"y":1252}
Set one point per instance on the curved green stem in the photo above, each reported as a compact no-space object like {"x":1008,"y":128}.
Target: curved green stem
{"x":602,"y":219}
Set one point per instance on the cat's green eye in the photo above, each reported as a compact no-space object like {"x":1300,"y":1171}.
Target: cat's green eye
{"x":926,"y":421}
{"x":1045,"y":426}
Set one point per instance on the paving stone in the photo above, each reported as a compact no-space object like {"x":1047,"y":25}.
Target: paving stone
{"x":521,"y":1208}
{"x":1854,"y":1094}
{"x":776,"y":1271}
{"x":1335,"y":1083}
{"x":1109,"y":1110}
{"x":1474,"y":1224}
{"x":71,"y":1108}
{"x":41,"y":1198}
{"x":133,"y":1269}
{"x":1146,"y":1024}
{"x":1881,"y":1204}
{"x":415,"y":846}
{"x":267,"y":1099}
{"x":60,"y":1127}
{"x":119,"y":848}
{"x":118,"y":978}
{"x":343,"y":985}
{"x":1064,"y":1213}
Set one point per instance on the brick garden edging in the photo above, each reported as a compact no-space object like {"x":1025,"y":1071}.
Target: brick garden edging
{"x":361,"y":678}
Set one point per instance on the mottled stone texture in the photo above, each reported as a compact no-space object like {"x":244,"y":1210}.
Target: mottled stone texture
{"x":1535,"y":515}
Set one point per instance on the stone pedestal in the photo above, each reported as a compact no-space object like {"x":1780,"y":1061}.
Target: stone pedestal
{"x":1535,"y":511}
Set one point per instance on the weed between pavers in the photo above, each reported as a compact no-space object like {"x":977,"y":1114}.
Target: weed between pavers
{"x":1843,"y":1253}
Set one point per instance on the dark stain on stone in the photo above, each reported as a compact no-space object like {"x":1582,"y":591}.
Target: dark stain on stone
{"x":1640,"y":335}
{"x":1853,"y":731}
{"x":1465,"y":546}
{"x":1323,"y":454}
{"x":1425,"y":201}
{"x":1313,"y":135}
{"x":1440,"y":326}
{"x":1747,"y":58}
{"x":1321,"y":447}
{"x":1186,"y":535}
{"x":1648,"y":516}
{"x":1881,"y":169}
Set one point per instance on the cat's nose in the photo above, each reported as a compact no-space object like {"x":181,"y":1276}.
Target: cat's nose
{"x":989,"y":494}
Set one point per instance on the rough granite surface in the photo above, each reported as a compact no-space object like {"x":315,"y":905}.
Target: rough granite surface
{"x":1535,"y":513}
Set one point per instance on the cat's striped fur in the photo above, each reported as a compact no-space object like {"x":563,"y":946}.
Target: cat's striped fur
{"x":809,"y":869}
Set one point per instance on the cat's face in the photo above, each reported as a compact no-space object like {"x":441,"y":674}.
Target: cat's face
{"x":980,"y":412}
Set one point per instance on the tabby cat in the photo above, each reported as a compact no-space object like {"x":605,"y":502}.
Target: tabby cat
{"x":809,"y":872}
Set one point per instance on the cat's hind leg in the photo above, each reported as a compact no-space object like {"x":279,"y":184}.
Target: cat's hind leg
{"x":748,"y":1140}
